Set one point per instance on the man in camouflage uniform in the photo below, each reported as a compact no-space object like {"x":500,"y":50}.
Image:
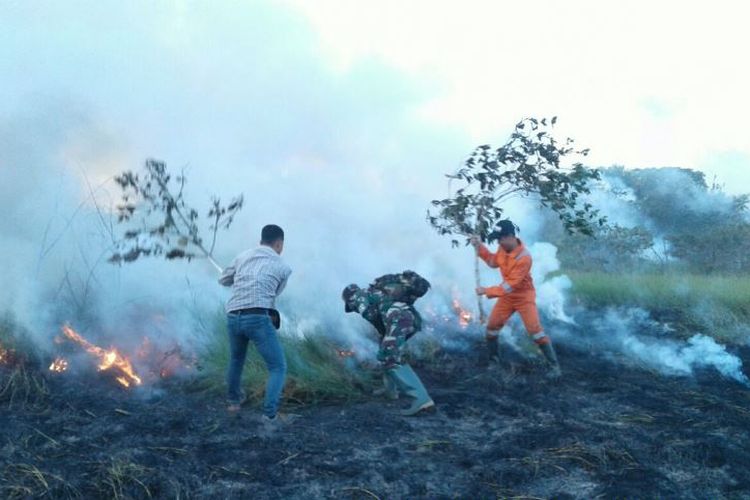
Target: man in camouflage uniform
{"x":396,"y":322}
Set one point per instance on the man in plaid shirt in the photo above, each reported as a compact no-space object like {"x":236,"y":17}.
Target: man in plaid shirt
{"x":257,"y":277}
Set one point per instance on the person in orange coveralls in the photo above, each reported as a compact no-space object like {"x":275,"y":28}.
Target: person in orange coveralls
{"x":515,"y":294}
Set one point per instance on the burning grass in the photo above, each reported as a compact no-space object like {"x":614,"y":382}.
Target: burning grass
{"x":145,"y":365}
{"x":319,"y":369}
{"x":603,"y":431}
{"x":108,"y":359}
{"x":21,"y":383}
{"x":15,"y":345}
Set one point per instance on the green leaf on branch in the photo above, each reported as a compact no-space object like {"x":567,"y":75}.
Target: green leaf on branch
{"x":155,"y":203}
{"x":531,"y":163}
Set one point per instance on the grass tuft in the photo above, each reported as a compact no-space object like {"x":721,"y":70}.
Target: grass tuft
{"x":24,"y":480}
{"x":316,"y":373}
{"x":22,"y":387}
{"x":119,"y":479}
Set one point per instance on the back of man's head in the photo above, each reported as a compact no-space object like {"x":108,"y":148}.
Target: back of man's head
{"x":271,"y":234}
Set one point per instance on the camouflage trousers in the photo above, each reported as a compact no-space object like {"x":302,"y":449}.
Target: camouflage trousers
{"x":400,"y":325}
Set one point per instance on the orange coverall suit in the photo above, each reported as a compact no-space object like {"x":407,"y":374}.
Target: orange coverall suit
{"x":515,"y":293}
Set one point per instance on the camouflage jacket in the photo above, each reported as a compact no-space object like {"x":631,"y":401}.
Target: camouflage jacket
{"x":389,"y":318}
{"x":396,"y":322}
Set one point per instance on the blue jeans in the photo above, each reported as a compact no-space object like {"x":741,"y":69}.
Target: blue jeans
{"x":258,"y":328}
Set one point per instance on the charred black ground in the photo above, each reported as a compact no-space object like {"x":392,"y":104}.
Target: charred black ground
{"x":606,"y":430}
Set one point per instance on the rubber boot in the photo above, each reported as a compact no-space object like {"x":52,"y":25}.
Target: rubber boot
{"x":389,"y":389}
{"x":551,"y":357}
{"x":408,"y":383}
{"x":493,"y":349}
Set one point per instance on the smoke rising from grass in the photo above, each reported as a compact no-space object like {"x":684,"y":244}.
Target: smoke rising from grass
{"x":56,"y":238}
{"x":340,"y":160}
{"x":633,"y":333}
{"x":343,"y":160}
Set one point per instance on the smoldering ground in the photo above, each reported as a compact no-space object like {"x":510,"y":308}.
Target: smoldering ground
{"x":606,"y":429}
{"x":610,"y":427}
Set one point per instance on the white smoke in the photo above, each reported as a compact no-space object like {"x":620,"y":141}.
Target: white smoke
{"x":630,"y":332}
{"x":302,"y":141}
{"x":634,"y":333}
{"x":340,"y":159}
{"x":616,"y":201}
{"x":551,"y":289}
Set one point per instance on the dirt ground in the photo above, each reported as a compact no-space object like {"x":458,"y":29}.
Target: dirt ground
{"x":606,"y":430}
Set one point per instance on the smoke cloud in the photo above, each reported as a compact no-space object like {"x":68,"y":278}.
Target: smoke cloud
{"x":343,"y":160}
{"x":634,"y":333}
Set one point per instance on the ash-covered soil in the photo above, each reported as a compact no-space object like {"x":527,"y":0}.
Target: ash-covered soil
{"x":606,"y":430}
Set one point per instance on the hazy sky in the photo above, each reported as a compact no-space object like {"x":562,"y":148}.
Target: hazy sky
{"x":641,"y":83}
{"x":644,"y":83}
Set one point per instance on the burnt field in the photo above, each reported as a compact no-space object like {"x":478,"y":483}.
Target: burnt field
{"x":606,"y":430}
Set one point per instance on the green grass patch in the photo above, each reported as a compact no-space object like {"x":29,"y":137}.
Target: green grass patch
{"x":715,"y":305}
{"x":316,"y":373}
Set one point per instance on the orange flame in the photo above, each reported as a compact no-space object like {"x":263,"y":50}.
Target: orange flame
{"x":107,"y":359}
{"x":344,"y":353}
{"x":59,"y":365}
{"x":464,"y":316}
{"x":8,"y":356}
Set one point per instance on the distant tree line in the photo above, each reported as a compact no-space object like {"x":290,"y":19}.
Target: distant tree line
{"x":675,"y":220}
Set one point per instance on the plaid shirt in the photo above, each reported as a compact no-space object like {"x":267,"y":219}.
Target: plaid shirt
{"x":257,"y":277}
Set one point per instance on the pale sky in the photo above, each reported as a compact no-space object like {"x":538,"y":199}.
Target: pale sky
{"x":643,"y":83}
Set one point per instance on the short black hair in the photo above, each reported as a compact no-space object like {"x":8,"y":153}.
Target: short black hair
{"x":502,"y":229}
{"x":271,"y":234}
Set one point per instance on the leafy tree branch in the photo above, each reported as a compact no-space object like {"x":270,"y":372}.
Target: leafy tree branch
{"x":161,"y":222}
